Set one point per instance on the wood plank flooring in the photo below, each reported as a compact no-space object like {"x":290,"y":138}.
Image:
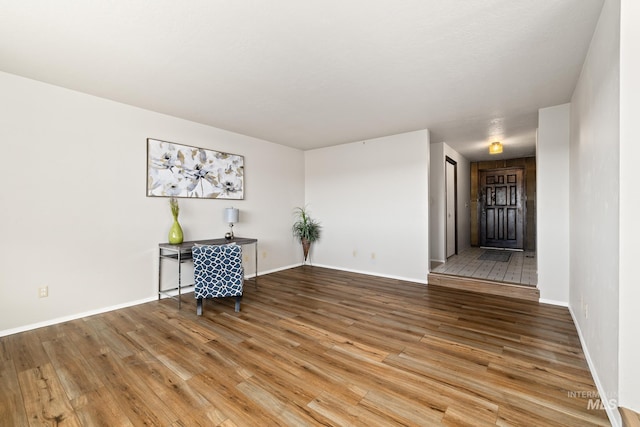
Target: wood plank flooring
{"x":310,"y":346}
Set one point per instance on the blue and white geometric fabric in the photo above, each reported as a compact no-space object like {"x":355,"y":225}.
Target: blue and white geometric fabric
{"x":218,"y":271}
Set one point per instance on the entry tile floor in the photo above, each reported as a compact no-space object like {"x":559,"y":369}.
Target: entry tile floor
{"x":520,"y":269}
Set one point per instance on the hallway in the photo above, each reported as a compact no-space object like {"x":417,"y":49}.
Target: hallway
{"x":521,"y":267}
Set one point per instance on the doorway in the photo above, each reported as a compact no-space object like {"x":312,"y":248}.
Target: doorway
{"x":451,"y":214}
{"x":521,"y":268}
{"x":502,"y":208}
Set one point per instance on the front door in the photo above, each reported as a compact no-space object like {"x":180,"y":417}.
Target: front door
{"x":502,"y":208}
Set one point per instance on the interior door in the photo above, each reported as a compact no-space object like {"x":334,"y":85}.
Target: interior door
{"x":502,"y":204}
{"x":451,"y":217}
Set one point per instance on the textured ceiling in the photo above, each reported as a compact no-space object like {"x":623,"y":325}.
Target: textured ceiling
{"x":316,"y":73}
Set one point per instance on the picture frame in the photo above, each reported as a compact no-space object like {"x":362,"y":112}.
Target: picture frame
{"x":176,"y":170}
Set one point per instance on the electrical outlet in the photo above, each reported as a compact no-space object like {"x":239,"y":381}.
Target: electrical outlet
{"x":355,"y":253}
{"x":373,"y":255}
{"x":43,"y":292}
{"x":264,"y":254}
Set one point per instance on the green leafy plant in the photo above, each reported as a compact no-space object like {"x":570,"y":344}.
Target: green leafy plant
{"x":305,"y":227}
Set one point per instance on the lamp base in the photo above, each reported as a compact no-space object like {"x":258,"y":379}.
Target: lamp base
{"x":229,"y":235}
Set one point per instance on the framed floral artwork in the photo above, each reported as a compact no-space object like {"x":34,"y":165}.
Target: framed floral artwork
{"x":175,"y":170}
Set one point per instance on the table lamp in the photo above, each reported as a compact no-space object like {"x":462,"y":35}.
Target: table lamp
{"x":231,"y":216}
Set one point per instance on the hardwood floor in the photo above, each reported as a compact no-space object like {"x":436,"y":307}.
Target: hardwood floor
{"x":310,"y":346}
{"x":530,"y":293}
{"x":629,"y":417}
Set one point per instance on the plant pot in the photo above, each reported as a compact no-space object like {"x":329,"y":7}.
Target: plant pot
{"x":306,"y":245}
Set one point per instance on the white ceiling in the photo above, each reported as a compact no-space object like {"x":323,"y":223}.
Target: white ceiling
{"x":315,"y":73}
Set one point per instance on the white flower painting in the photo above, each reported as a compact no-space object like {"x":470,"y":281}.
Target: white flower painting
{"x":175,"y":170}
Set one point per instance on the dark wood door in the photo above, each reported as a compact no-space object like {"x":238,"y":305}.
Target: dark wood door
{"x":502,"y":204}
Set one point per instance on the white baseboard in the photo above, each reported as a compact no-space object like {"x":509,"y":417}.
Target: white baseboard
{"x":386,"y":276}
{"x":612,"y":411}
{"x":274,"y":270}
{"x":554,"y":302}
{"x":74,"y":316}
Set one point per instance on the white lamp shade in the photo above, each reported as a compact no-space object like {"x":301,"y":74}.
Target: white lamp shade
{"x":231,"y":215}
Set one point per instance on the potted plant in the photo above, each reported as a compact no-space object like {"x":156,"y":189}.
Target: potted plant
{"x":305,"y":229}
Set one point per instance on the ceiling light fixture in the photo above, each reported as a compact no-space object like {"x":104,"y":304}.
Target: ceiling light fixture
{"x":495,"y":148}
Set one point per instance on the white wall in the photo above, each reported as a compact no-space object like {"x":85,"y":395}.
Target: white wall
{"x":594,"y":212}
{"x":552,"y":166}
{"x":629,"y":368}
{"x":437,"y":198}
{"x":437,"y":203}
{"x":372,"y":200}
{"x":73,"y":207}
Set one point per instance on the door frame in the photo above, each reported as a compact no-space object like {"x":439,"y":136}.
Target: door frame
{"x":452,"y":162}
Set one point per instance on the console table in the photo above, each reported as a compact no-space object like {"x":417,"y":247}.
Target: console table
{"x":182,"y":253}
